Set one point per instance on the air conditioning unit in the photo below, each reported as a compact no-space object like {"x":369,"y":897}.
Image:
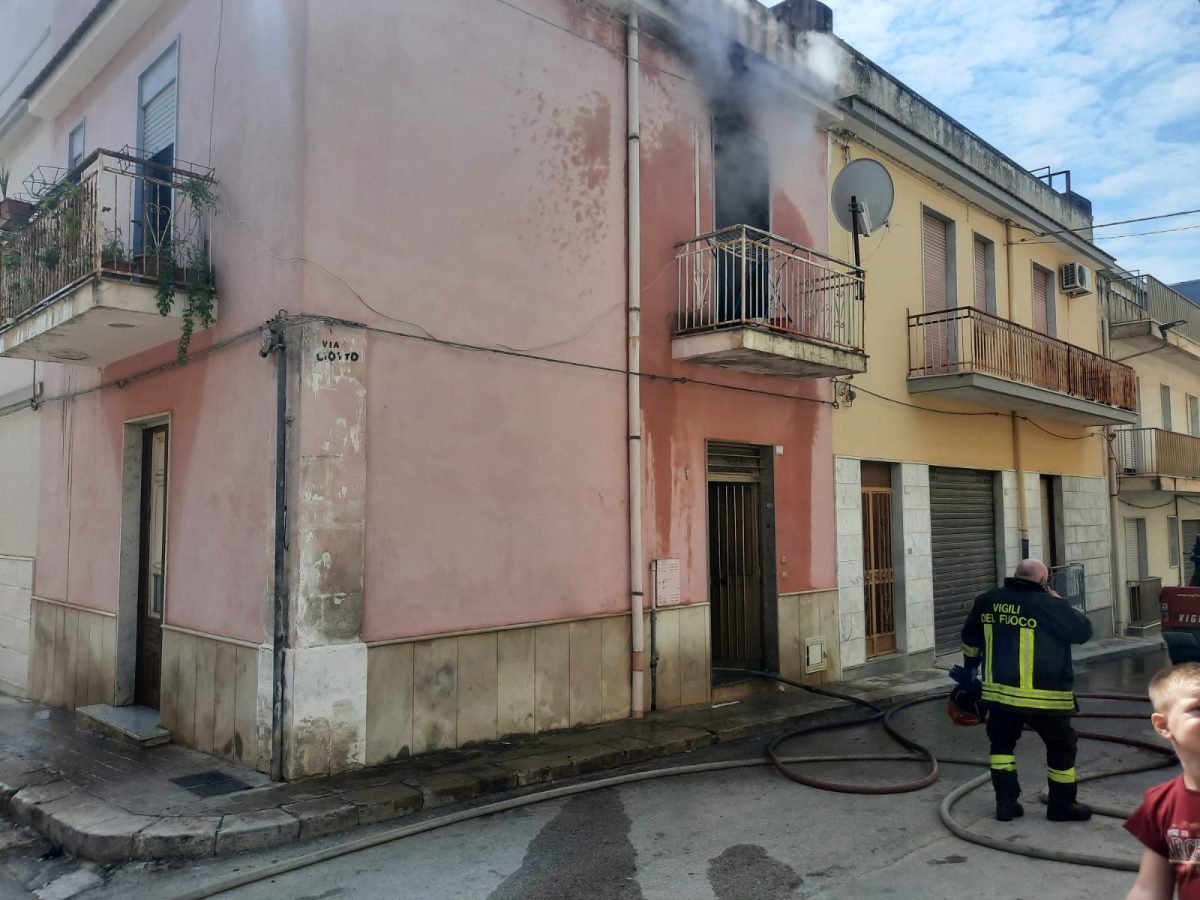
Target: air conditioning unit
{"x":1075,"y":279}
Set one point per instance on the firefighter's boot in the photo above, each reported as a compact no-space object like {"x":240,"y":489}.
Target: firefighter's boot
{"x":1008,"y":791}
{"x":1062,"y":806}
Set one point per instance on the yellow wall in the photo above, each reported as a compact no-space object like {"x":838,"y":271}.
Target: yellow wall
{"x":877,"y":428}
{"x":1153,"y":371}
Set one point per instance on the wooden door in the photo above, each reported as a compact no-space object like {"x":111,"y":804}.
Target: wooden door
{"x":152,"y":576}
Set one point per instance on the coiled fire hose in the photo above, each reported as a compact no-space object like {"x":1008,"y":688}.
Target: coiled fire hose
{"x":916,"y":752}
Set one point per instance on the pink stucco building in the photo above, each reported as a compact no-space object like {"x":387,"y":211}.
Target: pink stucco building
{"x":514,"y":411}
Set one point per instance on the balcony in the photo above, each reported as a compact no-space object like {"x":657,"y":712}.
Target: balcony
{"x":753,"y":301}
{"x":1151,"y":459}
{"x":111,"y":260}
{"x":969,"y":355}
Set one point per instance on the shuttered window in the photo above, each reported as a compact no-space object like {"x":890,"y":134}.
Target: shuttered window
{"x":982,"y":274}
{"x":158,"y":121}
{"x":936,"y":261}
{"x":1193,"y":407}
{"x":1164,"y":399}
{"x":1135,"y":549}
{"x":1043,"y":301}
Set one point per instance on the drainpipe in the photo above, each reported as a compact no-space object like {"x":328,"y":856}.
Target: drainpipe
{"x":1022,"y":511}
{"x":273,"y":342}
{"x":1120,"y":598}
{"x":633,"y":367}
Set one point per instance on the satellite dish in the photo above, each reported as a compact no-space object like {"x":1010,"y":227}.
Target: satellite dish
{"x":862,"y":198}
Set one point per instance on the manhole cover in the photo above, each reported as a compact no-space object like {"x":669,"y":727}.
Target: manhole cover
{"x":210,"y":784}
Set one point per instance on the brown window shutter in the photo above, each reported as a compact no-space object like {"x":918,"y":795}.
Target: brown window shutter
{"x":1039,"y":301}
{"x":980,"y":274}
{"x":936,"y":271}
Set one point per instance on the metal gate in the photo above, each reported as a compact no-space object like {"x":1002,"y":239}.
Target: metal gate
{"x":735,"y":554}
{"x":1191,"y":528}
{"x":879,"y":577}
{"x":963,"y":520}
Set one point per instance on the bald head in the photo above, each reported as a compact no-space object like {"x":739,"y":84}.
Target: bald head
{"x":1032,"y":570}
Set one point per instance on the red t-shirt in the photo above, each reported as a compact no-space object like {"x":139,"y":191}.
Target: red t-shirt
{"x":1168,"y":822}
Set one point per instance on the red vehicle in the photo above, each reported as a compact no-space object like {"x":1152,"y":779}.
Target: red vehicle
{"x":1181,"y":623}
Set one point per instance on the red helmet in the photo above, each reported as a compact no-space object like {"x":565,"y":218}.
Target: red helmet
{"x":965,"y":706}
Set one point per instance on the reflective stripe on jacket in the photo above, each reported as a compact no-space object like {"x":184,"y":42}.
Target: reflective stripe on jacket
{"x":1023,"y":636}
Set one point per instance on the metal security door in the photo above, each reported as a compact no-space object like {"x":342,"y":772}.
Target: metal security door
{"x":963,"y":520}
{"x":879,"y":575}
{"x":735,"y":555}
{"x":152,"y":579}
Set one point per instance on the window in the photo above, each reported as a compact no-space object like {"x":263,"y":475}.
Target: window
{"x":156,"y":138}
{"x":75,"y":146}
{"x":1164,"y":397}
{"x":1135,"y":549}
{"x":1193,"y":414}
{"x":937,"y":236}
{"x":985,"y":274}
{"x":1044,"y":301}
{"x":1173,"y":542}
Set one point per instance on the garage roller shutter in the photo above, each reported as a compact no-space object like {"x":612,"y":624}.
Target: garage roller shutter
{"x":963,"y":519}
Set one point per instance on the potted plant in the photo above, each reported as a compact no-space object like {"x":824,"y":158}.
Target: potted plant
{"x":112,"y":254}
{"x":12,"y":212}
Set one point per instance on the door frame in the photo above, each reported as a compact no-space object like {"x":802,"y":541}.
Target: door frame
{"x":129,"y":574}
{"x":769,"y":599}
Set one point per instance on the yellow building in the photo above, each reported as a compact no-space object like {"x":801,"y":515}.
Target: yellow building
{"x":1155,"y":330}
{"x":976,"y":436}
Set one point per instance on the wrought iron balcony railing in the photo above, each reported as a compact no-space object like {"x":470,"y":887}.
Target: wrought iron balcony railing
{"x":966,"y":339}
{"x":1152,"y":451}
{"x":115,"y":215}
{"x":741,"y":276}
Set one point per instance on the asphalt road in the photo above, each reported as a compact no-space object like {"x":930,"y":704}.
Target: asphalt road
{"x":747,"y":834}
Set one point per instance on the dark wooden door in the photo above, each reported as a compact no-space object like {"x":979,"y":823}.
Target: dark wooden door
{"x":152,"y":579}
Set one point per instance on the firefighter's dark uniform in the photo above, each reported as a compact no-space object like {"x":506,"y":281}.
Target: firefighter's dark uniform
{"x":1022,"y":636}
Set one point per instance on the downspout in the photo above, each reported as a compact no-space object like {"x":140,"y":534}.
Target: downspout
{"x":273,"y":342}
{"x":633,"y":367}
{"x":1022,"y":511}
{"x":1119,"y":597}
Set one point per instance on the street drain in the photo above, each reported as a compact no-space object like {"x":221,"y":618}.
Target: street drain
{"x":210,"y":784}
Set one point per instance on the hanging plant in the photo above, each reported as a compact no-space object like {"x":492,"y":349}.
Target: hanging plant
{"x":50,"y":257}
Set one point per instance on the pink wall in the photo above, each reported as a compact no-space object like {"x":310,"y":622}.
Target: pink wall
{"x":485,"y":207}
{"x":679,"y":418}
{"x":221,"y":493}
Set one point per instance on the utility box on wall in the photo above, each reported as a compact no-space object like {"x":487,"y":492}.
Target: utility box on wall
{"x":666,"y":582}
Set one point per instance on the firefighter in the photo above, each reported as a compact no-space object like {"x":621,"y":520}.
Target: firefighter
{"x":1021,"y":635}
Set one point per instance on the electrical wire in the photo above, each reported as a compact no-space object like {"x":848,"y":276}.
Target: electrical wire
{"x":1113,"y":237}
{"x":1170,"y":215}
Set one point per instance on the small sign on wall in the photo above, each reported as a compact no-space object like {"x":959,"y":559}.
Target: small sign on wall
{"x":666,"y":582}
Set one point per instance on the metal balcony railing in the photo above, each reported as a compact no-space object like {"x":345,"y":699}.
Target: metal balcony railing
{"x":115,"y":214}
{"x":741,"y":276}
{"x":966,"y":339}
{"x":1070,"y":583}
{"x":1153,"y":451}
{"x":1136,"y":298}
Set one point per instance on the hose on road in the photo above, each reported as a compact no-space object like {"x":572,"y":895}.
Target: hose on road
{"x":915,"y":752}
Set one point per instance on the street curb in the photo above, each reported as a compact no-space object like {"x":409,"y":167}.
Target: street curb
{"x":90,"y":827}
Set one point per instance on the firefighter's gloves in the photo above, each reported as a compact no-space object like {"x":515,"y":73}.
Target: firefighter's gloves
{"x":963,"y":676}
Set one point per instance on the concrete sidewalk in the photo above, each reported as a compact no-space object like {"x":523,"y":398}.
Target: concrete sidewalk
{"x":107,"y":801}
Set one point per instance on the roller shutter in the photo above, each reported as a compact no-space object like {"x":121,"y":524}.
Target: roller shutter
{"x":963,"y":520}
{"x":158,"y":121}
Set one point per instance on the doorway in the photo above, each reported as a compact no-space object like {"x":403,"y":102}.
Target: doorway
{"x":151,"y":594}
{"x":741,"y":557}
{"x":741,"y":197}
{"x":879,"y":572}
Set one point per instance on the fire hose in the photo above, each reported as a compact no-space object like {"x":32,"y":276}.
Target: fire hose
{"x":915,"y":752}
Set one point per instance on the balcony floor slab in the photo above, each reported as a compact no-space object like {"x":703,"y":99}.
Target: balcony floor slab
{"x":94,"y":324}
{"x":767,"y":352}
{"x":1013,"y":396}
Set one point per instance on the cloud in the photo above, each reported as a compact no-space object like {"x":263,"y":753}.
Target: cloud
{"x":1109,"y":89}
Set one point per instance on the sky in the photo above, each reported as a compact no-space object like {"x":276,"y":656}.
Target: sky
{"x":1109,"y":89}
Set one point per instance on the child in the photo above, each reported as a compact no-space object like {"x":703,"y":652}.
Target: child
{"x":1168,"y":820}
